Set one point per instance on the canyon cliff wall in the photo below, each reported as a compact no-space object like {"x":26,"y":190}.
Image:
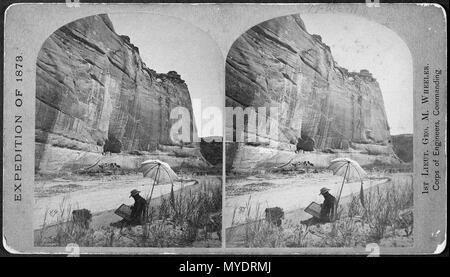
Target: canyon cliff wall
{"x":92,"y":87}
{"x":279,"y":64}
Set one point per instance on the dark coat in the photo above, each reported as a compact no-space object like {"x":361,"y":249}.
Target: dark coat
{"x":327,"y":210}
{"x":138,"y":209}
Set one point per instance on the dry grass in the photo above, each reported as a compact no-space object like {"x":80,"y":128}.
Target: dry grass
{"x":386,"y":210}
{"x":193,"y":211}
{"x":176,"y":221}
{"x":260,"y":233}
{"x":65,"y":230}
{"x":384,"y":207}
{"x":380,"y":218}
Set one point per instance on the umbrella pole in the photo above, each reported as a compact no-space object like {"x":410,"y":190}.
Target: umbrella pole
{"x":153,"y":187}
{"x":340,"y":192}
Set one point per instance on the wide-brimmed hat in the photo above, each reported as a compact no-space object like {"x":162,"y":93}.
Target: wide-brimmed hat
{"x":323,"y":190}
{"x":134,"y":192}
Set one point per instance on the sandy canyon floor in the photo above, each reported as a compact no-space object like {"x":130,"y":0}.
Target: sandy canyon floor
{"x":248,"y":197}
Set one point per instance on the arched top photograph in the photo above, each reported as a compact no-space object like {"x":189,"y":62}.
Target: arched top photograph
{"x":120,"y":99}
{"x":340,"y":127}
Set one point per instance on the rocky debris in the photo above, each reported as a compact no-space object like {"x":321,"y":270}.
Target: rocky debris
{"x":279,"y":64}
{"x":245,"y":159}
{"x":136,"y":152}
{"x":295,"y":167}
{"x":102,"y":169}
{"x":303,"y":164}
{"x":93,"y":87}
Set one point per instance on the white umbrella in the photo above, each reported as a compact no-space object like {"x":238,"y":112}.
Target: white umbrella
{"x":347,"y":168}
{"x":160,"y":172}
{"x":350,"y":170}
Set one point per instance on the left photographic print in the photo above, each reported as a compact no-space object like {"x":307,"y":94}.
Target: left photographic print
{"x":121,"y":159}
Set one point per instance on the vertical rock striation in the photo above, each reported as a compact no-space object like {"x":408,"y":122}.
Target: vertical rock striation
{"x":91,"y":85}
{"x":278,"y":63}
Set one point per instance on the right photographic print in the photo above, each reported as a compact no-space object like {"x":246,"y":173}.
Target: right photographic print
{"x":319,"y":135}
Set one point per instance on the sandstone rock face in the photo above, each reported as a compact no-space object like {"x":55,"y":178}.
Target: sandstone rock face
{"x":91,"y":85}
{"x":279,"y":64}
